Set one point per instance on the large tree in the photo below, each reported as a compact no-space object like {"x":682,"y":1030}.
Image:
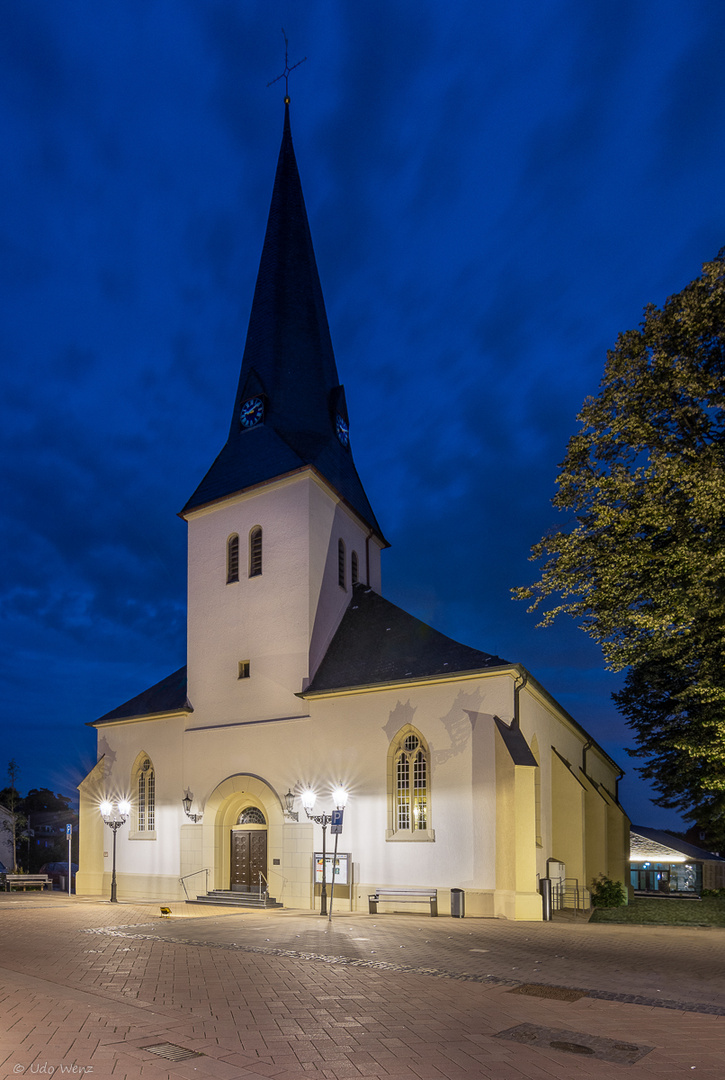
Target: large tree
{"x":640,"y":560}
{"x":10,"y":799}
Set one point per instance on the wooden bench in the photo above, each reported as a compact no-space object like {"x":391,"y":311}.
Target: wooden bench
{"x":407,"y":896}
{"x":16,"y":881}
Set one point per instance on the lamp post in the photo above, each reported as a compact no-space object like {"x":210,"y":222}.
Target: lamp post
{"x":308,"y":801}
{"x":115,"y":816}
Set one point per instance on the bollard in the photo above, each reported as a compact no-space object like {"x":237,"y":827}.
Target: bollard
{"x":545,"y":890}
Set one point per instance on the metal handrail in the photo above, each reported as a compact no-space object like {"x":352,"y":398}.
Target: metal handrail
{"x":259,"y":884}
{"x":204,"y":870}
{"x":566,"y":889}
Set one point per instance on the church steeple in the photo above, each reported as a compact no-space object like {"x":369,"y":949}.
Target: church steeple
{"x":289,"y":410}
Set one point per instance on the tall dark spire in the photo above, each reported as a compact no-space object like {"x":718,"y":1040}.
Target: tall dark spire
{"x":288,"y":382}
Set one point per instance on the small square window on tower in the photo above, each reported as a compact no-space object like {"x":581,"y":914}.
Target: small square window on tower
{"x":243,"y":669}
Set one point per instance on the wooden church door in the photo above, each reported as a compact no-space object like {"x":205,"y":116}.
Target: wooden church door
{"x":249,"y":859}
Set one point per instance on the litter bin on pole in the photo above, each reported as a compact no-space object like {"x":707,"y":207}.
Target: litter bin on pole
{"x":458,"y":903}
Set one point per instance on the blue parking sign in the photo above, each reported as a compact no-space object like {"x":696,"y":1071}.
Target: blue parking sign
{"x":336,"y":825}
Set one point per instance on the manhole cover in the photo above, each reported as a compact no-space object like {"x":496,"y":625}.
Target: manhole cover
{"x":171,"y":1052}
{"x":558,"y":993}
{"x":575,"y":1042}
{"x":572,"y":1048}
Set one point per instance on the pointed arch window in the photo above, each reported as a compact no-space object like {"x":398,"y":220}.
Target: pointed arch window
{"x":341,"y":563}
{"x":255,"y":551}
{"x":232,"y":559}
{"x":354,"y":568}
{"x":143,"y":786}
{"x":409,"y":787}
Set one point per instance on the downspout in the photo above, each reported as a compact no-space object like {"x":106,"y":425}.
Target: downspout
{"x":616,"y":786}
{"x":587,"y":746}
{"x":518,"y":687}
{"x":367,"y":557}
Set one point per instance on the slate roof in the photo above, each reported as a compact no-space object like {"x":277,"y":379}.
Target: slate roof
{"x":289,"y":361}
{"x":167,"y":696}
{"x":377,"y":642}
{"x":659,"y":838}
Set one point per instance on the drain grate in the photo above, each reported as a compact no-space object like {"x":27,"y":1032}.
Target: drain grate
{"x":576,"y":1042}
{"x":558,"y":993}
{"x":171,"y":1052}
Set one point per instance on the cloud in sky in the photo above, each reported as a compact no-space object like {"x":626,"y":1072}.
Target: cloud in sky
{"x":493,"y":193}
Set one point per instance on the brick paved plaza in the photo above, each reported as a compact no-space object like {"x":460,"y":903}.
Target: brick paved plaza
{"x":87,"y":987}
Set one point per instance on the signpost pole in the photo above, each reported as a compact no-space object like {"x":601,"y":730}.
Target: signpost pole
{"x":336,"y":828}
{"x":69,"y":834}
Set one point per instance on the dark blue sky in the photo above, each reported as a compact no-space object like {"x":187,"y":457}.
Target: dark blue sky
{"x":494,"y":191}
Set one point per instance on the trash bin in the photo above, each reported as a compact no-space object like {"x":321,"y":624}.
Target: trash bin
{"x":458,"y":903}
{"x":545,"y":890}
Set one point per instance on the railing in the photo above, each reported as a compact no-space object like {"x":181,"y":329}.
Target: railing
{"x":568,"y":893}
{"x":183,"y":880}
{"x":266,"y":885}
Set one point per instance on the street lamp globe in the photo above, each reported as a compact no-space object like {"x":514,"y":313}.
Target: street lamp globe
{"x":339,"y":797}
{"x":308,"y":798}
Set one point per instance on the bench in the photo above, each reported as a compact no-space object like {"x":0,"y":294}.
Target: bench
{"x":23,"y":880}
{"x":407,"y":896}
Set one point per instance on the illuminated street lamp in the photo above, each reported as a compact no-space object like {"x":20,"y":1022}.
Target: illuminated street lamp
{"x":339,"y":796}
{"x":115,"y":815}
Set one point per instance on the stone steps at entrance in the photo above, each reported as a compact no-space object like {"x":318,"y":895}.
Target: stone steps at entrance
{"x":236,"y":898}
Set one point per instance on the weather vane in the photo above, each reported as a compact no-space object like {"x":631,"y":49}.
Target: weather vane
{"x":287,"y":69}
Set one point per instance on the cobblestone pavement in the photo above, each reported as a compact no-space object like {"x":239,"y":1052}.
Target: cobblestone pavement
{"x":87,"y":988}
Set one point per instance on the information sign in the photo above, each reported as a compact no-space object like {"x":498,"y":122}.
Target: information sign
{"x":342,"y":869}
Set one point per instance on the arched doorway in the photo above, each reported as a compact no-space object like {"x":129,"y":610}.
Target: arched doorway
{"x":248,"y":853}
{"x":223,"y":812}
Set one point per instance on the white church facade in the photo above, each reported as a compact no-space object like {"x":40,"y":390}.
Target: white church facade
{"x":462,"y":772}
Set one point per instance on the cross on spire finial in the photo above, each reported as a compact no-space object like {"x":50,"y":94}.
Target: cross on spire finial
{"x":287,"y":69}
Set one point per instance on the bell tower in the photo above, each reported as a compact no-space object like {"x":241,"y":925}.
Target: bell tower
{"x":280,"y":528}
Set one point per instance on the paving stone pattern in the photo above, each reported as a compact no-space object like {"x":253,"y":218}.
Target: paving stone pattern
{"x":87,"y":987}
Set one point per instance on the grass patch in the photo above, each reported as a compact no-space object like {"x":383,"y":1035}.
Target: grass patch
{"x":710,"y":911}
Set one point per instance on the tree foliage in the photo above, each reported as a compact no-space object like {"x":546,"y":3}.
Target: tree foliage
{"x":640,"y":562}
{"x":10,"y":799}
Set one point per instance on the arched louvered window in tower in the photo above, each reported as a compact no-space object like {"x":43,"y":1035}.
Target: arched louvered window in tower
{"x":354,"y":568}
{"x":232,"y":559}
{"x":341,"y":563}
{"x":255,"y":551}
{"x":409,"y":787}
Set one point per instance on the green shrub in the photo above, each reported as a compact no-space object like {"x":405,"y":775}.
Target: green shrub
{"x":607,"y":893}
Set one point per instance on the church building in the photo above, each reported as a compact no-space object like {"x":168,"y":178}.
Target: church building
{"x":461,"y":771}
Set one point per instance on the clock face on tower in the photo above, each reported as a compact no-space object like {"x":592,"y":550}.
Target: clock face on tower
{"x":251,"y":412}
{"x":343,"y":431}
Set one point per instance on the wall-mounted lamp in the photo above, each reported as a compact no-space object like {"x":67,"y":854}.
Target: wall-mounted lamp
{"x":289,"y":812}
{"x":186,"y":803}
